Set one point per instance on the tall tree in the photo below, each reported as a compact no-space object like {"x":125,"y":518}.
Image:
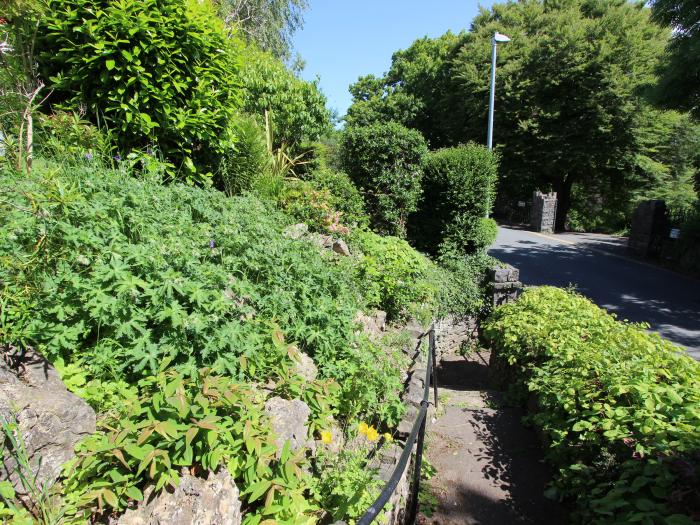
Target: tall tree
{"x":568,"y":101}
{"x":270,"y":24}
{"x":680,"y":80}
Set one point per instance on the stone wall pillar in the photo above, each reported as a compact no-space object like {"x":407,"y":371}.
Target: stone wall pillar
{"x":544,"y":211}
{"x":649,"y":228}
{"x":505,"y":286}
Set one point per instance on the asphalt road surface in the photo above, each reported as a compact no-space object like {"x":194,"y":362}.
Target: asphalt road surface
{"x":597,"y":265}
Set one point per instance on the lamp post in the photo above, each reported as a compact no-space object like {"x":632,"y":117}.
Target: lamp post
{"x":497,"y":38}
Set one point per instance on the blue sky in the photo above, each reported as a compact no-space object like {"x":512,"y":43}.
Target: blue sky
{"x":344,"y":39}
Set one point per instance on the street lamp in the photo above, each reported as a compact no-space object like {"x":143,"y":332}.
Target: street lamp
{"x":497,"y":38}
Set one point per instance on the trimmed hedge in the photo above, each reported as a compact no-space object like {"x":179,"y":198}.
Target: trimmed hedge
{"x":618,"y":406}
{"x":385,"y":162}
{"x":458,"y":191}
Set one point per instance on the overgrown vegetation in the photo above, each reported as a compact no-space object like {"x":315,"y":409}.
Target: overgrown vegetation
{"x":617,"y":407}
{"x":161,"y":75}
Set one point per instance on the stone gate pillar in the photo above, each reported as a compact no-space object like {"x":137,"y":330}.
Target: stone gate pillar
{"x":649,"y":228}
{"x":544,"y":211}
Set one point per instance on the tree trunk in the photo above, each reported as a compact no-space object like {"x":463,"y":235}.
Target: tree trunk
{"x":563,"y":189}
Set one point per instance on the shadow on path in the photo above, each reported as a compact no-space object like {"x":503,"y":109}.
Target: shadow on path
{"x":489,"y":466}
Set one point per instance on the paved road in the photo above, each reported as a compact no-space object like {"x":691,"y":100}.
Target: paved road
{"x":598,"y":267}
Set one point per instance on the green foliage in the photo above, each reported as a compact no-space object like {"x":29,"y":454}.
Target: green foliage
{"x":298,"y":108}
{"x":66,"y":137}
{"x":385,"y":163}
{"x":126,"y":275}
{"x":396,"y":278}
{"x":344,"y":195}
{"x":680,"y":77}
{"x":247,"y":161}
{"x":116,"y":275}
{"x":160,"y":74}
{"x":618,"y":406}
{"x":200,"y":424}
{"x":345,"y":484}
{"x":458,"y":191}
{"x":564,"y":117}
{"x":312,"y":206}
{"x":462,"y":283}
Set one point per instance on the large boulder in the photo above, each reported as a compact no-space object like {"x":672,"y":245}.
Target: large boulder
{"x":196,"y":501}
{"x":50,"y":419}
{"x":289,"y":420}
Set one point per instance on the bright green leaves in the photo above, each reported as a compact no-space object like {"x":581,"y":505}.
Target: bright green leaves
{"x":200,"y":424}
{"x":165,"y":74}
{"x":618,"y":404}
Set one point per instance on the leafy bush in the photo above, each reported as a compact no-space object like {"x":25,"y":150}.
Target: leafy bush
{"x":458,"y":191}
{"x":462,"y":283}
{"x":312,"y":206}
{"x":345,"y":196}
{"x":385,"y":163}
{"x":618,"y":406}
{"x":200,"y":424}
{"x":297,"y":108}
{"x":395,"y":277}
{"x":119,"y":274}
{"x":246,"y":161}
{"x":160,"y":73}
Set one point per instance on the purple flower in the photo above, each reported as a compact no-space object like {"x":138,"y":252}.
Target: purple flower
{"x":149,"y":150}
{"x":211,"y":243}
{"x":118,"y":157}
{"x":88,"y":157}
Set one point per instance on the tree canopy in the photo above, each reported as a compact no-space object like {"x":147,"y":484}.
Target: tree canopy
{"x":270,"y":24}
{"x":570,"y":110}
{"x":680,"y":80}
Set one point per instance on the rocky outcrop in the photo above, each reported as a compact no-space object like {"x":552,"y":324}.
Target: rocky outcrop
{"x":289,"y":420}
{"x":373,"y":325}
{"x":50,"y":419}
{"x":196,"y":501}
{"x":328,"y":242}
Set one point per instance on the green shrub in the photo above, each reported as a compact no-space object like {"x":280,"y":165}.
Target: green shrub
{"x":312,"y":206}
{"x":120,"y":274}
{"x":395,"y":277}
{"x":246,"y":161}
{"x":385,"y":163}
{"x":297,"y":108}
{"x":159,"y":73}
{"x":618,"y":406}
{"x":458,"y":191}
{"x":345,"y":197}
{"x":199,"y":423}
{"x":462,"y":283}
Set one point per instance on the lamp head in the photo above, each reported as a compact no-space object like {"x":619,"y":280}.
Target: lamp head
{"x":500,"y":38}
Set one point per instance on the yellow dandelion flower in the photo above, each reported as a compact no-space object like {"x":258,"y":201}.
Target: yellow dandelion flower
{"x":372,"y":434}
{"x":362,"y":428}
{"x":326,"y":437}
{"x":387,"y":437}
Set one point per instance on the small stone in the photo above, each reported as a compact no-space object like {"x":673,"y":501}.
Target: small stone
{"x":289,"y":420}
{"x":305,"y":367}
{"x":341,"y":248}
{"x":296,"y":231}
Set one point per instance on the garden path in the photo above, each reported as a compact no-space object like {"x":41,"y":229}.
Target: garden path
{"x":489,"y":466}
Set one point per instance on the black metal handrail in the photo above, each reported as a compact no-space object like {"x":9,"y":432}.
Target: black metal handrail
{"x":417,"y":436}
